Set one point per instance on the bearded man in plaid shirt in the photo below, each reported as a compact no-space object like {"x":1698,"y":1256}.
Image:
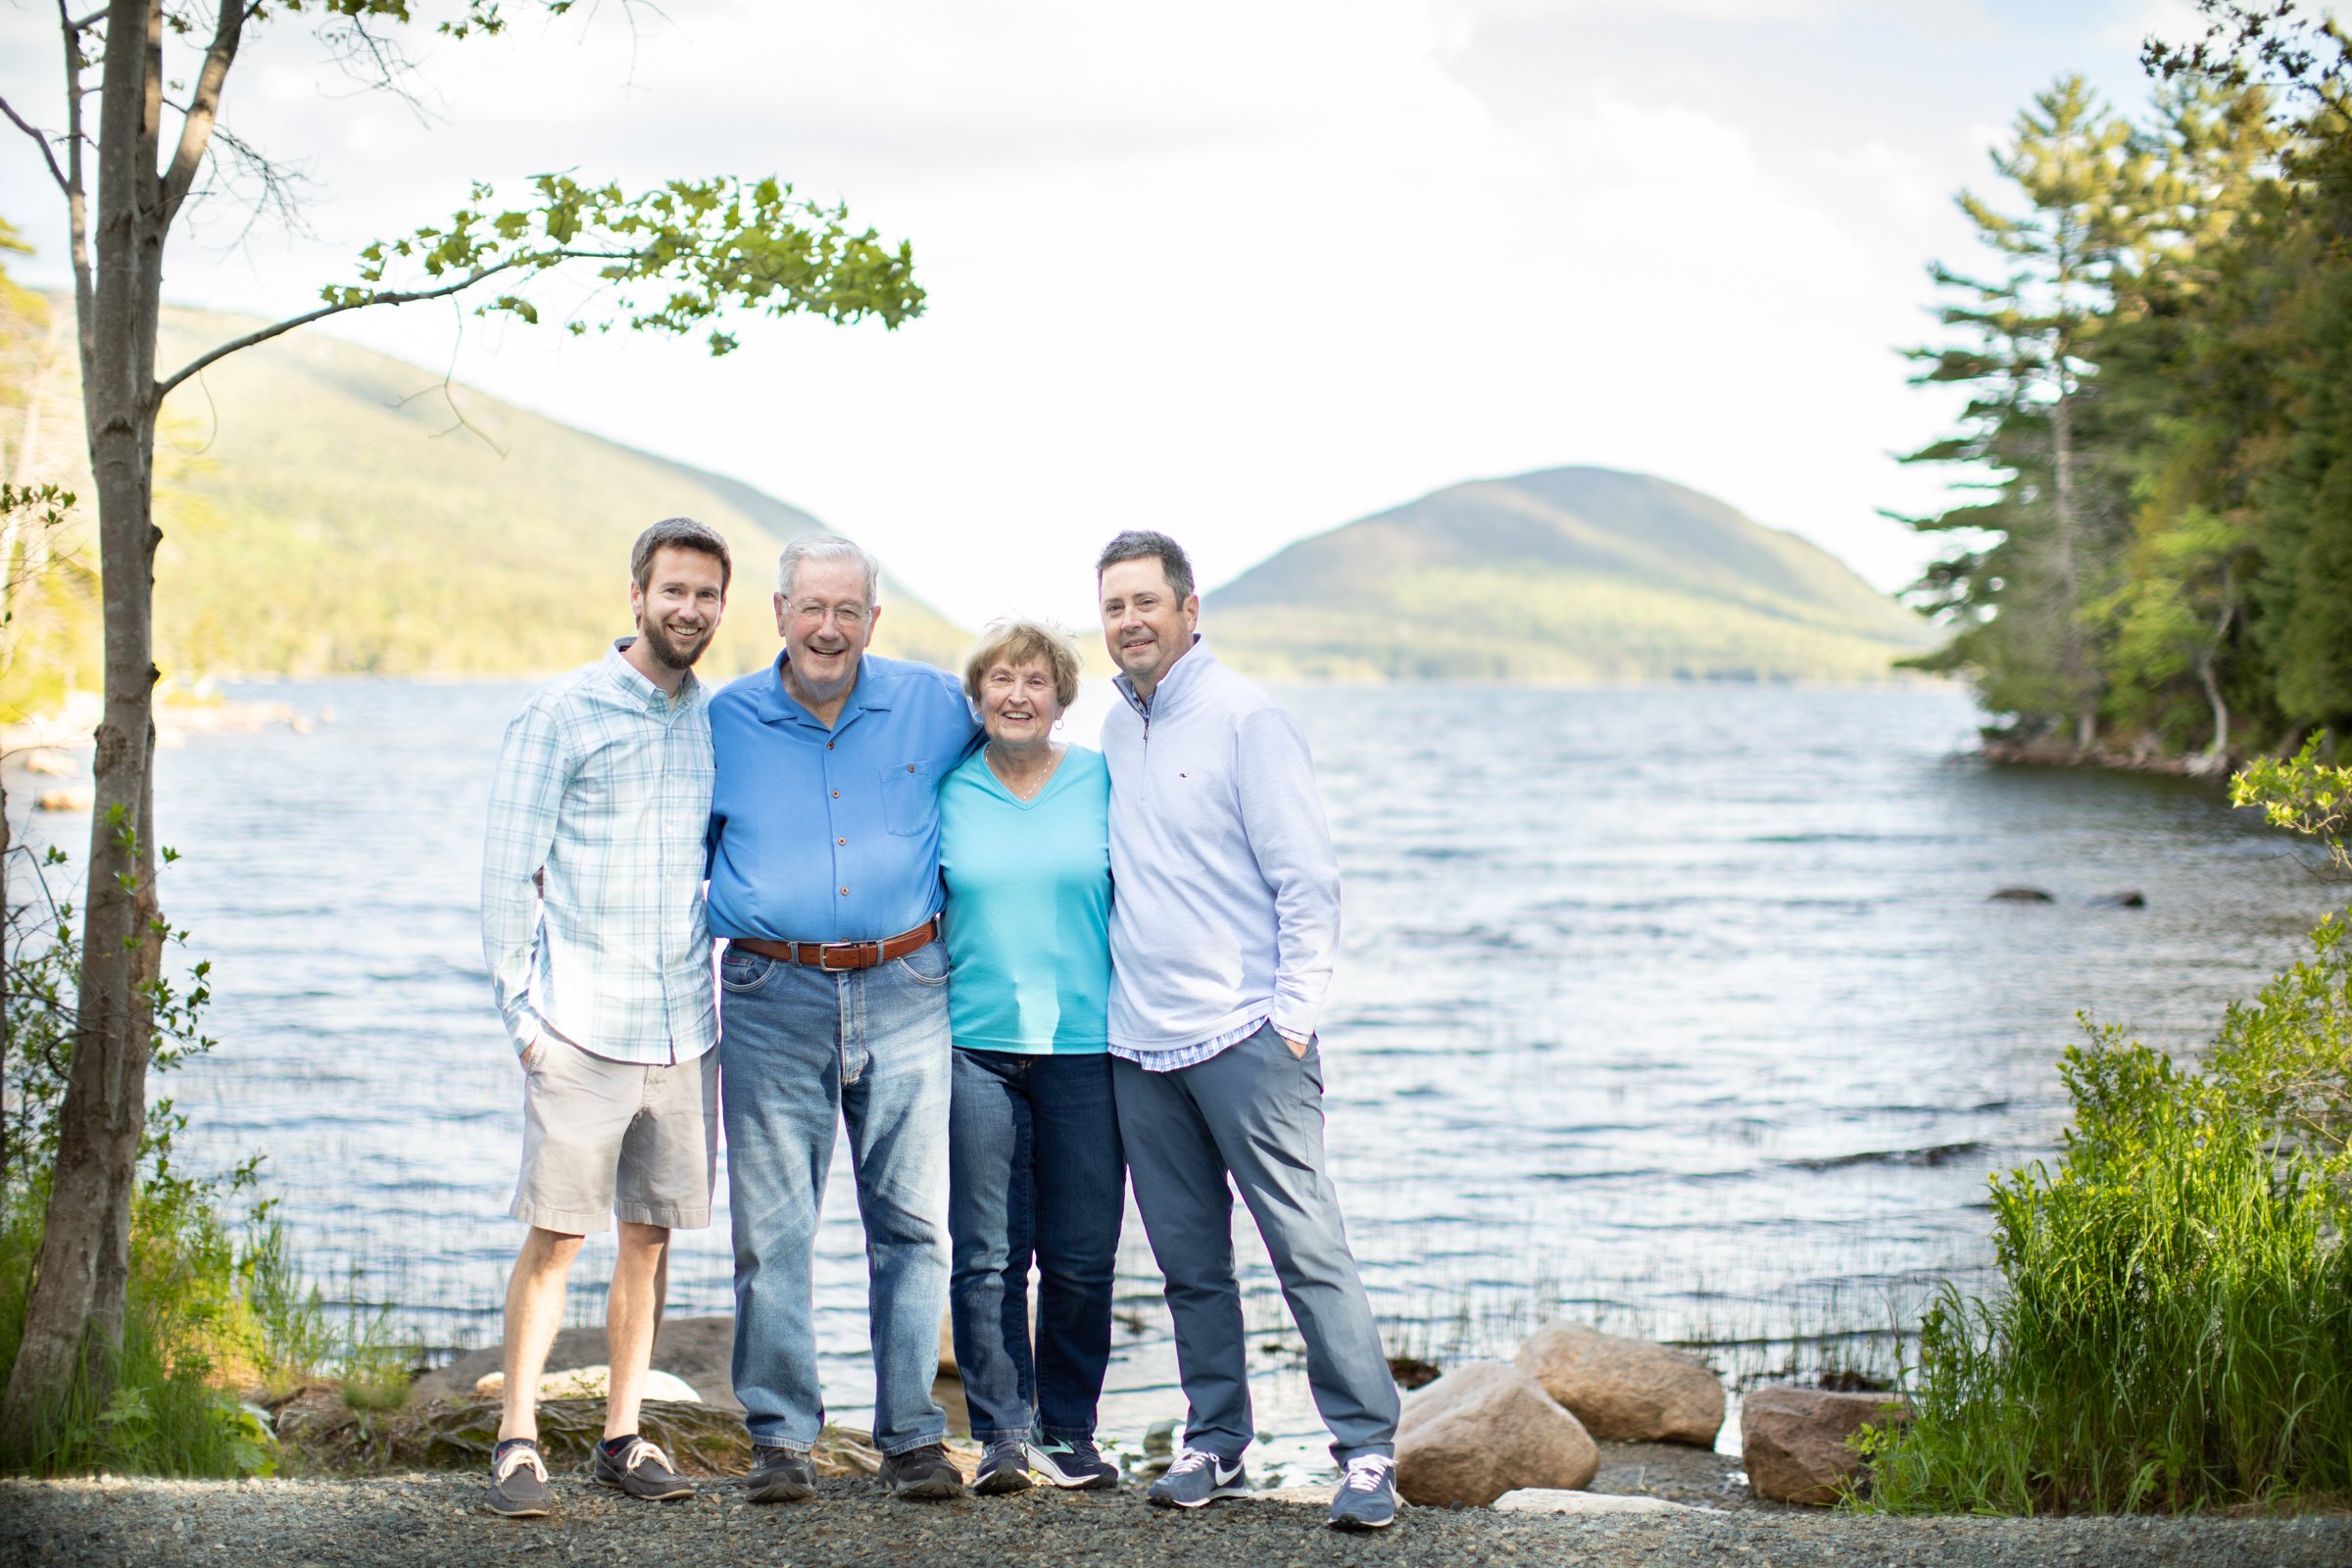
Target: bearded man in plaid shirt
{"x":600,"y":954}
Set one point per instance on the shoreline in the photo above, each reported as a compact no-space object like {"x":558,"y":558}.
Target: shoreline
{"x":435,"y":1520}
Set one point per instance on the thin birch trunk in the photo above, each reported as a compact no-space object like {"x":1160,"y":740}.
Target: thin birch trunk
{"x":105,"y":1084}
{"x":2062,"y":443}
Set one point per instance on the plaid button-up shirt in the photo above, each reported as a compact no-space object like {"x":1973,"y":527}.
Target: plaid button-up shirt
{"x":592,"y":923}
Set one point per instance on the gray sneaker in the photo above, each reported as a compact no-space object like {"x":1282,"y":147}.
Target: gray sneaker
{"x":1004,"y":1468}
{"x":641,"y":1470}
{"x":922,"y":1474}
{"x":1367,"y":1494}
{"x":1076,"y":1464}
{"x":519,"y":1482}
{"x":779,"y":1475}
{"x":1198,"y":1479}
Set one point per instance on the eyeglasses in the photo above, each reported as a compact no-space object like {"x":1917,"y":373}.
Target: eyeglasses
{"x":849,"y":617}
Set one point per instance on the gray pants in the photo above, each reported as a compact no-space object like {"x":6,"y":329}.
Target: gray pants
{"x":1255,"y":1112}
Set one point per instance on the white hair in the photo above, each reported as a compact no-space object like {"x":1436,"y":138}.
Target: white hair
{"x":827,"y":547}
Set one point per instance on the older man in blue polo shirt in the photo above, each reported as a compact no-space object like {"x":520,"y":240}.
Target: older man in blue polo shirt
{"x":833,"y":1002}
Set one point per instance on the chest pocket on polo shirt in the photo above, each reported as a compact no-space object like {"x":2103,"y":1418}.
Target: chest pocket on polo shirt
{"x":907,"y":803}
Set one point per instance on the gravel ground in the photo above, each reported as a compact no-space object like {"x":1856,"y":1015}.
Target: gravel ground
{"x":433,"y":1520}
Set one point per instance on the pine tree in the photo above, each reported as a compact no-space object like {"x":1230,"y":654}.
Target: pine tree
{"x":2022,"y":603}
{"x":2192,"y":375}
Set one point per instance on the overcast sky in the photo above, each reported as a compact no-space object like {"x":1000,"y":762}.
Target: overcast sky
{"x":1243,"y":269}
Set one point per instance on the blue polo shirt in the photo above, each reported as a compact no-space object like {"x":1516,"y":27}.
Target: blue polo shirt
{"x":832,"y":835}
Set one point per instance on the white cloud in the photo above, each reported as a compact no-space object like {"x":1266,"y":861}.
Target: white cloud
{"x":1243,"y":269}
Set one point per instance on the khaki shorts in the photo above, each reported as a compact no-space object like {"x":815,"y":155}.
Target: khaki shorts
{"x":604,"y":1138}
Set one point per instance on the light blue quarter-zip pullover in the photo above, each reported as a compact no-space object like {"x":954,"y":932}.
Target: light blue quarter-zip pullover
{"x":1228,"y":905}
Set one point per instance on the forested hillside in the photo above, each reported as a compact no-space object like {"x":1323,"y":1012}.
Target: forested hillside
{"x":1567,"y":575}
{"x":2156,"y":558}
{"x":328,"y":510}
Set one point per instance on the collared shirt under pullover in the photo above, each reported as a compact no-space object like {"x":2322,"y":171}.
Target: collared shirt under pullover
{"x":592,"y":870}
{"x":1228,"y":907}
{"x":832,"y":835}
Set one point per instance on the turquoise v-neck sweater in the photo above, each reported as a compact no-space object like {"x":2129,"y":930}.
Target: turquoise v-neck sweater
{"x":1028,"y":916}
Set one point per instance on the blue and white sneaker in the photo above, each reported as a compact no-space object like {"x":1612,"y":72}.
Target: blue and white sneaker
{"x":1367,"y":1494}
{"x":1198,"y":1479}
{"x":1076,"y":1464}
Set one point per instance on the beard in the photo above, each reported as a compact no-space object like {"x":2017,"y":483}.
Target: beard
{"x":667,"y":650}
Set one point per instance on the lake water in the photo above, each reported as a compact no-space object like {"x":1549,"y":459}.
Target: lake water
{"x":1682,"y":1010}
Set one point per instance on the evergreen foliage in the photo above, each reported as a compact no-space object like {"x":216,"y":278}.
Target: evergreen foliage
{"x":2155,"y":552}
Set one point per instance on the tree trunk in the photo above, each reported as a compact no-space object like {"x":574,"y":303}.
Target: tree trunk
{"x":2217,"y":756}
{"x":126,"y":1110}
{"x":8,"y":1034}
{"x":2077,"y":658}
{"x":22,"y":465}
{"x":105,"y":1088}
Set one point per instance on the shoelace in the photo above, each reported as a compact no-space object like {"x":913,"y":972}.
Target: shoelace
{"x":1190,"y":1460}
{"x":1368,"y":1472}
{"x":641,"y":1450}
{"x":517,"y":1457}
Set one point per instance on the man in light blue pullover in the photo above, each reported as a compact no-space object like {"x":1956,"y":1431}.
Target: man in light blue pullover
{"x":1222,"y":935}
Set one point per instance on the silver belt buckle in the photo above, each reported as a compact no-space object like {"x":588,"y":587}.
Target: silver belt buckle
{"x":848,"y":949}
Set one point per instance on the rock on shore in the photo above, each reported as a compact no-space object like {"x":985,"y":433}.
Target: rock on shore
{"x":1794,"y":1440}
{"x":1485,"y":1429}
{"x":1629,"y":1391}
{"x":698,"y":1349}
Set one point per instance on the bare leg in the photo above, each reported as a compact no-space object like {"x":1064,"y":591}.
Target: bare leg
{"x":633,"y":1316}
{"x":534,"y":1311}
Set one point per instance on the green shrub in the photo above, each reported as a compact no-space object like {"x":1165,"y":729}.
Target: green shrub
{"x":2176,"y":1331}
{"x":188,"y":1326}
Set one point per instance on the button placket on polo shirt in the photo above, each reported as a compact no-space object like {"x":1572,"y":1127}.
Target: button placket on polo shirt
{"x":672,"y":786}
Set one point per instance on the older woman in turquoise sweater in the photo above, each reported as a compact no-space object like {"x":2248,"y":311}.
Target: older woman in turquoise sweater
{"x":1038,"y":1177}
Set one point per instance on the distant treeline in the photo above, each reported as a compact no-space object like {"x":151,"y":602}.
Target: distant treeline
{"x":2156,"y":556}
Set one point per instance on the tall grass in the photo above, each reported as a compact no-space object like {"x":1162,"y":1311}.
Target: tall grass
{"x":162,"y":1410}
{"x":2176,"y":1331}
{"x":211,"y":1306}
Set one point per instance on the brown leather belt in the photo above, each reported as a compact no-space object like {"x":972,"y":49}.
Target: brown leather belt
{"x":838,"y":956}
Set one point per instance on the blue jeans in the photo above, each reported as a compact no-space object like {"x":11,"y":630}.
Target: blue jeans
{"x":1255,"y":1112}
{"x":798,"y":1049}
{"x":1037,"y":1174}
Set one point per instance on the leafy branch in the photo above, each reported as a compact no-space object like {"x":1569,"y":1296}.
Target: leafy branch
{"x":671,"y":258}
{"x":2301,"y":794}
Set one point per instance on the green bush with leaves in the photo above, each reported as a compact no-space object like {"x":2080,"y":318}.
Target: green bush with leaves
{"x":2304,"y":794}
{"x":2176,"y":1331}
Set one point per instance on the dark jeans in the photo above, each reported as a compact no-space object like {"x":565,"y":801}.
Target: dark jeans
{"x":1036,"y":1172}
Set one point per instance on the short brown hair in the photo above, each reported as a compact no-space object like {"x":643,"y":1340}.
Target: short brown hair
{"x":1023,"y":642}
{"x":679,"y":533}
